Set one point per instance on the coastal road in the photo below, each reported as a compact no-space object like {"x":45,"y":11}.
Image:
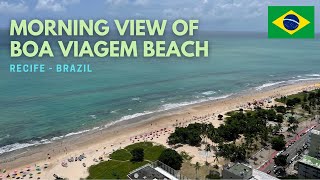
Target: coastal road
{"x":292,"y":150}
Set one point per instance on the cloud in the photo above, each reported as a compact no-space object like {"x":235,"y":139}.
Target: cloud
{"x":127,"y":2}
{"x":219,"y":10}
{"x":54,"y":5}
{"x":11,"y":7}
{"x":205,"y":1}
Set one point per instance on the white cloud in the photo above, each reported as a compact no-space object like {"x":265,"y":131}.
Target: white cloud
{"x":116,"y":2}
{"x":141,"y":2}
{"x":54,"y":5}
{"x":127,"y":2}
{"x":220,"y":10}
{"x":11,"y":7}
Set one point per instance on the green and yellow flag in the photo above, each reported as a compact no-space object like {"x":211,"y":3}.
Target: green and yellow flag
{"x":291,"y":21}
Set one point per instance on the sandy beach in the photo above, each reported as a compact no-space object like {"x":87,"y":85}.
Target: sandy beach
{"x":46,"y":160}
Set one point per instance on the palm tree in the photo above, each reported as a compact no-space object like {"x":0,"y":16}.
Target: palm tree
{"x":215,"y":154}
{"x":277,"y":128}
{"x":255,"y":147}
{"x":248,"y":140}
{"x":216,"y":158}
{"x":197,"y":166}
{"x":207,"y":149}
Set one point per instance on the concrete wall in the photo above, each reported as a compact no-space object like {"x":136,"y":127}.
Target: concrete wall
{"x":314,"y":149}
{"x":308,"y":172}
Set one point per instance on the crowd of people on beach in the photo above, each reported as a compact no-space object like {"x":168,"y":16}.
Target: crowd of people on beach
{"x":35,"y":171}
{"x":29,"y":172}
{"x":74,"y":159}
{"x":149,"y":136}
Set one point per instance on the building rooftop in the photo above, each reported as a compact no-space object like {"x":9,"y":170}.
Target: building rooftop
{"x":155,"y":170}
{"x":147,"y":172}
{"x":259,"y":175}
{"x":241,"y":170}
{"x":311,"y":161}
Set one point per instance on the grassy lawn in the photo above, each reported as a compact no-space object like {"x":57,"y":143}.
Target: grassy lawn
{"x":298,"y":95}
{"x":151,"y":152}
{"x":120,"y":165}
{"x":113,"y":169}
{"x":231,"y":113}
{"x":121,"y":155}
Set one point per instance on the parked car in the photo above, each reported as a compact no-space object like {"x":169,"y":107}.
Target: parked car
{"x":287,"y":154}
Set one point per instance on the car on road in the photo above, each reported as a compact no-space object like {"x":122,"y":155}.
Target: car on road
{"x":269,"y":172}
{"x":300,"y":151}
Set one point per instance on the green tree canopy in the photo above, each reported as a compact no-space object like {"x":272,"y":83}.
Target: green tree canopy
{"x":278,"y":143}
{"x":281,"y":109}
{"x":232,"y":152}
{"x":188,"y":135}
{"x":279,"y":118}
{"x":171,"y":158}
{"x":137,"y":155}
{"x":280,"y":160}
{"x":292,"y":120}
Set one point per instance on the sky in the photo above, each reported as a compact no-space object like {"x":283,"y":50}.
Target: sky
{"x":214,"y":15}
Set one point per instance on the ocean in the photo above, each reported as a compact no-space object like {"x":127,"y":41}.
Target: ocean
{"x":38,"y":108}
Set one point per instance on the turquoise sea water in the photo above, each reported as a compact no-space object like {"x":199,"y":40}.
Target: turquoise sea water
{"x":34,"y":108}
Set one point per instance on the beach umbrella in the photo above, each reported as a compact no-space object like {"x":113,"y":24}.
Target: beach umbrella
{"x":14,"y":172}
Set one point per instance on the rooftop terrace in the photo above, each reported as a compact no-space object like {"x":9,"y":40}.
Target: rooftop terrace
{"x":311,"y":161}
{"x":241,"y":170}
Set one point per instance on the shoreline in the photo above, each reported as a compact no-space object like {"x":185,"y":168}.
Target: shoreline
{"x":106,"y":140}
{"x":149,"y":114}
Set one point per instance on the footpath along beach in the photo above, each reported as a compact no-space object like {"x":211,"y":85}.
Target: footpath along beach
{"x":59,"y":157}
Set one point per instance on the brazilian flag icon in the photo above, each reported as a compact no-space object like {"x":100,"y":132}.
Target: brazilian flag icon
{"x":291,"y":21}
